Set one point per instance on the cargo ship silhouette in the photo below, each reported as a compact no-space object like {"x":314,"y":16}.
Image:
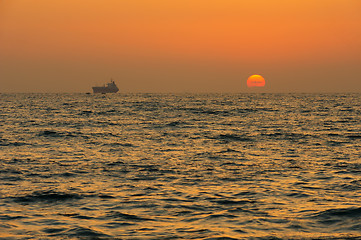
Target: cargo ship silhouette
{"x":109,"y":88}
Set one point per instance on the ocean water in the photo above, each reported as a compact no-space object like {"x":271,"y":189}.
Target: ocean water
{"x":180,"y":166}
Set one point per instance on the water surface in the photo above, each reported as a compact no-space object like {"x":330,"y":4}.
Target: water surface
{"x":186,"y":166}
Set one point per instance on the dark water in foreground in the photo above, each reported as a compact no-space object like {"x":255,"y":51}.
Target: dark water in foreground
{"x":148,"y":166}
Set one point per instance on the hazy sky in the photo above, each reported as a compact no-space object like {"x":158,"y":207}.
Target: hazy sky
{"x":180,"y":45}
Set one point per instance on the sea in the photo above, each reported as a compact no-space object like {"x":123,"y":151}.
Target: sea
{"x":180,"y":166}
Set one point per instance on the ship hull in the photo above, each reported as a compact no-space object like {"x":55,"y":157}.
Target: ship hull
{"x":104,"y":90}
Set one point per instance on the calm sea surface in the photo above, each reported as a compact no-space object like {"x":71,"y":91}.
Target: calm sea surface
{"x":187,"y":166}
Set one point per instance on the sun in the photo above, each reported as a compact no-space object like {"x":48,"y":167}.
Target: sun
{"x":255,"y":81}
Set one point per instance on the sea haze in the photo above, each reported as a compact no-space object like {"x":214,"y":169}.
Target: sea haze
{"x":184,"y":166}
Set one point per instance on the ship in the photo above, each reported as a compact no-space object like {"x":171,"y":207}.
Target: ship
{"x":110,"y":87}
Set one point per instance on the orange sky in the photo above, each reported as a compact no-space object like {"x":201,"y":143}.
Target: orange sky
{"x":178,"y":46}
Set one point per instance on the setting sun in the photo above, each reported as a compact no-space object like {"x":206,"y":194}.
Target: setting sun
{"x":256,"y":81}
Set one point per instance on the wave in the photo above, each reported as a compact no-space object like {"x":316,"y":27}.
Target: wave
{"x":175,"y":123}
{"x":221,"y":238}
{"x":82,"y":233}
{"x":49,"y":133}
{"x":215,"y":112}
{"x":288,"y":136}
{"x":233,"y":202}
{"x":126,"y":217}
{"x":232,"y":137}
{"x":340,"y":213}
{"x":76,"y":215}
{"x":354,"y":136}
{"x":47,"y":196}
{"x":5,"y":217}
{"x":7,"y":143}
